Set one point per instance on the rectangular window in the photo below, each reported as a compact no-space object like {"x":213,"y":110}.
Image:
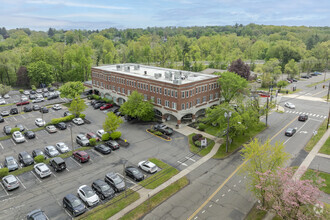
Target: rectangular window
{"x":147,"y":87}
{"x":144,"y":86}
{"x":145,"y":97}
{"x":102,"y":84}
{"x":128,"y":92}
{"x":202,"y":88}
{"x":199,"y":89}
{"x":176,"y":94}
{"x":165,"y":91}
{"x":157,"y":89}
{"x":159,"y":102}
{"x":198,"y":101}
{"x":182,"y":106}
{"x":172,"y":93}
{"x":212,"y":86}
{"x":123,"y":90}
{"x":154,"y":89}
{"x":190,"y":92}
{"x":182,"y":94}
{"x":187,"y":105}
{"x":216,"y":95}
{"x":169,"y":92}
{"x":167,"y":103}
{"x":152,"y":99}
{"x":138,"y":85}
{"x":187,"y":94}
{"x":204,"y":98}
{"x":205,"y":88}
{"x":211,"y":96}
{"x":160,"y":90}
{"x":173,"y":105}
{"x":150,"y":88}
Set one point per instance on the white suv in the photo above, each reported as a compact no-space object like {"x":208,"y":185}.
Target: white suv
{"x":88,"y":195}
{"x":42,"y":170}
{"x":18,"y":137}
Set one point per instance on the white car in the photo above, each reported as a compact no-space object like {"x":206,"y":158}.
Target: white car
{"x":100,"y":133}
{"x":88,"y":195}
{"x":39,"y":91}
{"x":39,"y":122}
{"x":37,"y":100}
{"x":148,"y":166}
{"x":289,"y":105}
{"x":42,"y":170}
{"x":62,"y":147}
{"x":24,"y":98}
{"x":2,"y":102}
{"x":57,"y":107}
{"x":26,"y":92}
{"x":18,"y":137}
{"x":78,"y":121}
{"x":6,"y":96}
{"x":39,"y":96}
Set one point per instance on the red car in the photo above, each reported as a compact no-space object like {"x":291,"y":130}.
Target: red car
{"x":22,"y":103}
{"x":81,"y":156}
{"x":106,"y":106}
{"x":92,"y":135}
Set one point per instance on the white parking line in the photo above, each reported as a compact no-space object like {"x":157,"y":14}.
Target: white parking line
{"x":203,"y":211}
{"x":317,"y":116}
{"x":21,"y":182}
{"x":314,"y":115}
{"x":188,"y":158}
{"x":1,"y":146}
{"x":54,"y":174}
{"x":182,"y":163}
{"x":4,"y":189}
{"x":91,"y":160}
{"x":12,"y":141}
{"x":97,"y":153}
{"x":67,"y":169}
{"x":217,"y":200}
{"x":14,"y":118}
{"x":23,"y":117}
{"x":36,"y":176}
{"x":75,"y":161}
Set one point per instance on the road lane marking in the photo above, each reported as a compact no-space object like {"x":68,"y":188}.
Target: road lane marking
{"x":281,"y":131}
{"x":14,"y":118}
{"x":23,"y":117}
{"x":12,"y":141}
{"x":203,"y":211}
{"x":1,"y":146}
{"x":314,"y":115}
{"x":210,"y":205}
{"x":188,"y":158}
{"x":21,"y":182}
{"x":217,"y":200}
{"x":4,"y":189}
{"x":317,"y":116}
{"x":54,"y":174}
{"x":229,"y":190}
{"x":223,"y":195}
{"x":182,"y":163}
{"x":235,"y":185}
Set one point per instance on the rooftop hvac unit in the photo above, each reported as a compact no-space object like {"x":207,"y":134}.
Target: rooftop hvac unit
{"x":127,"y":68}
{"x":177,"y":75}
{"x":119,"y":67}
{"x":158,"y":75}
{"x":136,"y":67}
{"x":168,"y":75}
{"x":177,"y":81}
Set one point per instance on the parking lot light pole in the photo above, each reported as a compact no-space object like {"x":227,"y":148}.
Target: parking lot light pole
{"x":227,"y":116}
{"x":124,"y":163}
{"x":70,"y":126}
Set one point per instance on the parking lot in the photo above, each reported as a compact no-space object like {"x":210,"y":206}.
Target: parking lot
{"x":47,"y":194}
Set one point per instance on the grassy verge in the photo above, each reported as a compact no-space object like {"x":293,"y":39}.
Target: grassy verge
{"x":325,"y":97}
{"x":110,"y":208}
{"x":193,"y":148}
{"x":315,"y":84}
{"x":311,"y":143}
{"x":157,"y":199}
{"x":160,"y":177}
{"x":67,"y":104}
{"x":238,"y":141}
{"x":255,"y":214}
{"x":325,"y":149}
{"x":310,"y":174}
{"x":212,"y":130}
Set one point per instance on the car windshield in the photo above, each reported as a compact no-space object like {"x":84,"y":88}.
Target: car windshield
{"x":88,"y":192}
{"x":117,"y":179}
{"x":105,"y":187}
{"x":11,"y":162}
{"x":134,"y":171}
{"x":27,"y":156}
{"x":51,"y":149}
{"x":93,"y":135}
{"x":76,"y":202}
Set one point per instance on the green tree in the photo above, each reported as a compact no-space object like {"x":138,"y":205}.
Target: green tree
{"x":282,"y":83}
{"x":4,"y":89}
{"x":272,"y":67}
{"x":291,"y":68}
{"x":40,"y":72}
{"x":136,"y":107}
{"x":71,"y":89}
{"x":77,"y":106}
{"x":259,"y":158}
{"x":112,"y":122}
{"x":231,"y":85}
{"x":307,"y":65}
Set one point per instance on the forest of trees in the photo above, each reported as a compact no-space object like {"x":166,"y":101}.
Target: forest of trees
{"x":30,"y":57}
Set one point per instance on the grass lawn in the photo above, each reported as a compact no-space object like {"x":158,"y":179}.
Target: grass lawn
{"x":325,"y":98}
{"x":193,"y":148}
{"x":314,"y":84}
{"x":212,"y":130}
{"x":311,"y":143}
{"x":157,"y":199}
{"x":325,"y":149}
{"x":238,"y":141}
{"x":111,"y":207}
{"x":160,"y":177}
{"x":309,"y":174}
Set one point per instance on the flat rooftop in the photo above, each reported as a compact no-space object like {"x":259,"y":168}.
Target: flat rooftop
{"x":173,"y":76}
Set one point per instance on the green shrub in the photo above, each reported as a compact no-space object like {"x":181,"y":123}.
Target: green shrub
{"x":82,"y":116}
{"x":105,"y":136}
{"x":158,"y":133}
{"x":14,"y":129}
{"x":152,"y":130}
{"x":4,"y":172}
{"x":92,"y":142}
{"x":21,"y":91}
{"x":55,"y":121}
{"x":96,"y":97}
{"x":39,"y":159}
{"x":198,"y":143}
{"x":115,"y":135}
{"x":69,"y":118}
{"x":201,"y":126}
{"x":33,"y":87}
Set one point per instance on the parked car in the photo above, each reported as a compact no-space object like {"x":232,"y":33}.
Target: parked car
{"x":20,"y":126}
{"x":303,"y":117}
{"x":45,"y":95}
{"x":88,"y":196}
{"x":102,"y":149}
{"x":134,"y":173}
{"x":14,"y":111}
{"x":42,"y":170}
{"x":1,"y":119}
{"x":6,"y":96}
{"x":115,"y":181}
{"x":36,"y":108}
{"x":102,"y":189}
{"x":39,"y":91}
{"x":2,"y":102}
{"x":22,"y":103}
{"x":164,"y":129}
{"x":29,"y":134}
{"x":305,"y":77}
{"x":317,"y":73}
{"x":50,"y":97}
{"x":32,"y":96}
{"x":4,"y":113}
{"x":74,"y":205}
{"x":66,"y":113}
{"x":10,"y":182}
{"x":44,"y":90}
{"x":37,"y":152}
{"x":44,"y":110}
{"x":94,"y":102}
{"x":112,"y":144}
{"x":106,"y":106}
{"x":25,"y":158}
{"x":290,"y":131}
{"x":82,"y":140}
{"x":7,"y":129}
{"x":39,"y":122}
{"x":62,"y":147}
{"x":81,"y":156}
{"x":56,"y":107}
{"x":148,"y":166}
{"x":26,"y":92}
{"x":37,"y":214}
{"x":51,"y":129}
{"x":100,"y":133}
{"x":61,"y":126}
{"x":27,"y":109}
{"x":78,"y":121}
{"x":57,"y":163}
{"x":32,"y":92}
{"x":18,"y":137}
{"x":51,"y":89}
{"x":289,"y":105}
{"x":10,"y":163}
{"x":97,"y":105}
{"x":51,"y":151}
{"x":37,"y":100}
{"x":92,"y":135}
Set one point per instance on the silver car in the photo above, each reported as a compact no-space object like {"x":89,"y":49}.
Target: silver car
{"x":11,"y":163}
{"x":62,"y":147}
{"x":82,"y":140}
{"x":51,"y":151}
{"x":10,"y":182}
{"x":18,"y":137}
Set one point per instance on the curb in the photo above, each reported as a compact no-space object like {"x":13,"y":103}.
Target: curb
{"x":170,"y":139}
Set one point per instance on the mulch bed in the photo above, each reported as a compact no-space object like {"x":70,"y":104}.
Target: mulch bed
{"x":122,"y":143}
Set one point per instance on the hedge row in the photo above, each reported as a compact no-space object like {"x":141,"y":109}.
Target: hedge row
{"x":63,"y":119}
{"x":96,"y":97}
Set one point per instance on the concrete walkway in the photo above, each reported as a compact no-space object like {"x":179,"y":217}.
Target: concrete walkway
{"x":146,"y":193}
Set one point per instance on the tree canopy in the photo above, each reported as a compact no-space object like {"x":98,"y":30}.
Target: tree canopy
{"x":231,"y":85}
{"x":71,"y":89}
{"x":112,"y":122}
{"x":77,"y":106}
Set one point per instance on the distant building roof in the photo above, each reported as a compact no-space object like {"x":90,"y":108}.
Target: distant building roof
{"x":211,"y":71}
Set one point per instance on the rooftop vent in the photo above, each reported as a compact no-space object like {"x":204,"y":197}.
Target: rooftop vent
{"x":158,"y":75}
{"x":168,"y":75}
{"x":136,"y":67}
{"x":127,"y":68}
{"x":145,"y":72}
{"x":177,"y":81}
{"x":119,"y":67}
{"x":177,"y":75}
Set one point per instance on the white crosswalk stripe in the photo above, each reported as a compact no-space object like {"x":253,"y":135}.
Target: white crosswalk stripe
{"x":314,"y":115}
{"x":306,"y":113}
{"x":317,"y":116}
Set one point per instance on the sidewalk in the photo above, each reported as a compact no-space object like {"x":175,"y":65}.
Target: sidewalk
{"x":146,"y":193}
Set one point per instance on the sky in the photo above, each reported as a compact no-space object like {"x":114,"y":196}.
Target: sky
{"x":101,"y":14}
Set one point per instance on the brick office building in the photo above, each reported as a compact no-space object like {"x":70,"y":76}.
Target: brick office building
{"x":177,"y":95}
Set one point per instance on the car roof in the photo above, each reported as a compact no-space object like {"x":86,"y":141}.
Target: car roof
{"x":99,"y":182}
{"x":58,"y":159}
{"x":9,"y":158}
{"x":23,"y":153}
{"x":81,"y":152}
{"x":111,"y":175}
{"x":149,"y":163}
{"x":10,"y":178}
{"x":42,"y":166}
{"x":71,"y":197}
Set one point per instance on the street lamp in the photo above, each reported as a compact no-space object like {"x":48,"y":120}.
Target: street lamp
{"x":124,"y":161}
{"x":227,"y":116}
{"x":70,"y":126}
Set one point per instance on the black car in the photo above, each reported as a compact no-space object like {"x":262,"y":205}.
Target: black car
{"x":98,"y":105}
{"x":44,"y":110}
{"x":27,"y":109}
{"x":134,"y":173}
{"x":112,"y":144}
{"x":61,"y":126}
{"x":115,"y":181}
{"x":20,"y":126}
{"x":74,"y":205}
{"x":103,"y":149}
{"x":7,"y":129}
{"x":14,"y":111}
{"x":305,"y":77}
{"x":37,"y":152}
{"x":25,"y":159}
{"x":31,"y":96}
{"x":302,"y":117}
{"x":290,"y":131}
{"x":30,"y":134}
{"x":52,"y":97}
{"x":94,"y":102}
{"x":102,"y":189}
{"x":2,"y":119}
{"x":57,"y":163}
{"x":36,"y":108}
{"x":37,"y":214}
{"x":67,"y":113}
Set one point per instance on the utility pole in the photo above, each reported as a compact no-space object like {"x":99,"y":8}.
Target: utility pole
{"x":227,"y":116}
{"x":267,"y":110}
{"x":328,"y":119}
{"x":124,"y":162}
{"x":71,"y":137}
{"x":328,"y":92}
